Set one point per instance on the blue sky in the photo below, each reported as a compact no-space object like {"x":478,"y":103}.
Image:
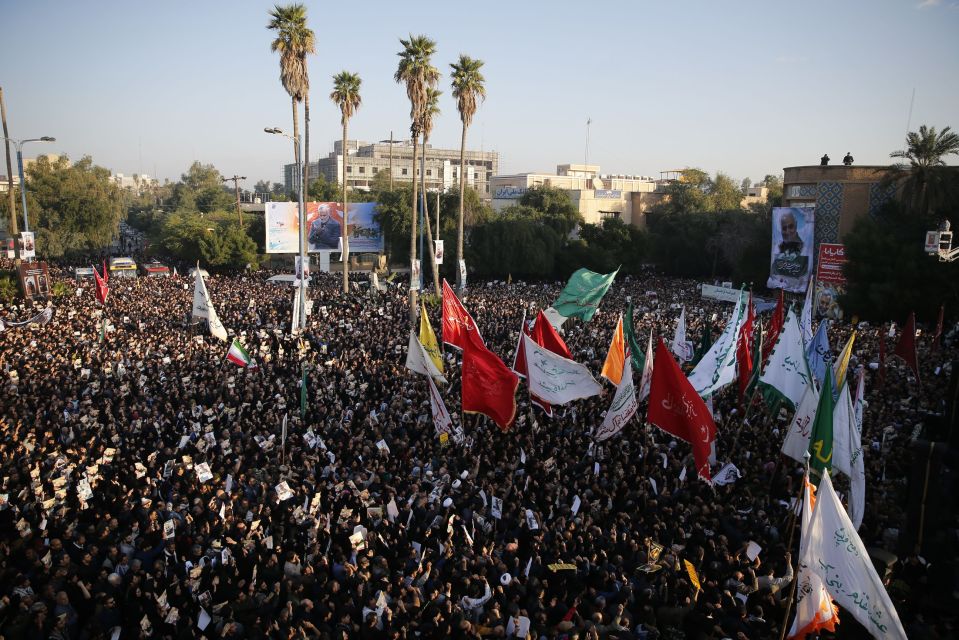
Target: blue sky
{"x":746,"y":87}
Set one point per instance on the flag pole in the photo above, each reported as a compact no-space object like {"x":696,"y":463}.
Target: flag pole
{"x":789,"y":546}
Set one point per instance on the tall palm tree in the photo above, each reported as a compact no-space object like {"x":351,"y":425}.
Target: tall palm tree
{"x":294,"y":41}
{"x":416,"y":71}
{"x":926,"y":184}
{"x":430,"y":109}
{"x":346,"y":95}
{"x":468,"y":87}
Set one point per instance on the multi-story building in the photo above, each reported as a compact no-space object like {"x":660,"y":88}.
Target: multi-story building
{"x":365,"y":160}
{"x":841,"y":195}
{"x":136,"y":183}
{"x":597,"y":196}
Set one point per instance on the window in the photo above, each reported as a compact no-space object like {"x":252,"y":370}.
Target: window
{"x":429,"y":172}
{"x":606,"y":215}
{"x":349,"y":169}
{"x":362,"y":169}
{"x":405,"y":171}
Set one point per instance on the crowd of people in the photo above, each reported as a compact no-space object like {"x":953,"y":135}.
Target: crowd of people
{"x":151,"y":488}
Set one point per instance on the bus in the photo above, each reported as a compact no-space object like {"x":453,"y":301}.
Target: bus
{"x":123,"y":268}
{"x":155,"y":270}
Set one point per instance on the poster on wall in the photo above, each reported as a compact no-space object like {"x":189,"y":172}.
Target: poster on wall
{"x":830,"y":281}
{"x":324,"y":225}
{"x":28,"y":247}
{"x":792,"y":248}
{"x":438,"y":251}
{"x":34,"y":279}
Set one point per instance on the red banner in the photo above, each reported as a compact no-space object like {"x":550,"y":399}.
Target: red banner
{"x":832,"y":257}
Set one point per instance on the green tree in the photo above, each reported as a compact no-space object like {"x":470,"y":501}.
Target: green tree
{"x":201,"y":189}
{"x":724,"y":194}
{"x":417,"y":72}
{"x":887,"y":272}
{"x":346,"y":96}
{"x":469,"y":87}
{"x":430,"y":110}
{"x":555,"y":205}
{"x":294,"y":41}
{"x":774,"y":184}
{"x":689,"y":194}
{"x":321,"y":190}
{"x":73,"y":207}
{"x":517,"y":242}
{"x":227,"y":248}
{"x":926,"y":185}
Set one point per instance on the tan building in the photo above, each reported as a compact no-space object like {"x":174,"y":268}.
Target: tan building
{"x":841,"y":195}
{"x":757,"y":194}
{"x":597,"y":196}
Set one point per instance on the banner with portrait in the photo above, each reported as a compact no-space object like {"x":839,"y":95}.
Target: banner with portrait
{"x":28,"y":246}
{"x":792,"y":248}
{"x":830,"y":281}
{"x":324,"y":225}
{"x":34,"y":279}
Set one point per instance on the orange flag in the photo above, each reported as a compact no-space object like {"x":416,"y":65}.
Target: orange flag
{"x":616,"y":357}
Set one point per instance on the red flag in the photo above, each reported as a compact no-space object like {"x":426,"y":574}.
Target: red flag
{"x":906,"y":349}
{"x":489,"y":387}
{"x":676,"y":408}
{"x":101,"y":289}
{"x":744,"y":355}
{"x":457,"y":322}
{"x":775,"y":326}
{"x":545,"y":336}
{"x":106,"y":274}
{"x":937,"y":339}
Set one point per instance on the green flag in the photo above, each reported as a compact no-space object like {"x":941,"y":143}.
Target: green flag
{"x":303,"y":393}
{"x":583,"y":293}
{"x":820,"y":442}
{"x":705,"y":343}
{"x":637,"y":352}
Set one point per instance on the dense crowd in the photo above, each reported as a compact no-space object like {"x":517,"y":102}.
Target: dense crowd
{"x":148,"y":489}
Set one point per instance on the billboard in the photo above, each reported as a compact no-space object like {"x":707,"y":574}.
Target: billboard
{"x":34,"y":279}
{"x":792,"y":247}
{"x":324,"y":222}
{"x":830,"y":281}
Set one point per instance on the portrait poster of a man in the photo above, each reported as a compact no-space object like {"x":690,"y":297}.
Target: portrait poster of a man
{"x":792,"y":246}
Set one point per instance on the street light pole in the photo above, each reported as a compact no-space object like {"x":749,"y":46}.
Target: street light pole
{"x":302,"y":223}
{"x":23,"y":185}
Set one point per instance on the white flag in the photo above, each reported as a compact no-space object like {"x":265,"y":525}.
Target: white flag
{"x":805,"y":318}
{"x":417,"y":360}
{"x":834,"y":551}
{"x":203,"y":308}
{"x":624,"y":404}
{"x":727,"y":475}
{"x":680,"y":346}
{"x":814,"y":608}
{"x":441,"y":417}
{"x":646,"y":381}
{"x":718,"y":367}
{"x":857,"y":477}
{"x":556,"y":379}
{"x":800,"y":429}
{"x":842,"y":422}
{"x":787,"y":373}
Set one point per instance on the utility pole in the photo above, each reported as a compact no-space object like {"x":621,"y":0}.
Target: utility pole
{"x":6,"y":141}
{"x":236,"y":187}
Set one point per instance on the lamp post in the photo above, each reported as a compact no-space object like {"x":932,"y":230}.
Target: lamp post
{"x":302,"y":219}
{"x":23,"y":185}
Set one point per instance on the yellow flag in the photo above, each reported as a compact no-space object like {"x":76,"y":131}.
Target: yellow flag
{"x":616,"y":358}
{"x":691,"y":570}
{"x":428,"y":338}
{"x":842,"y":362}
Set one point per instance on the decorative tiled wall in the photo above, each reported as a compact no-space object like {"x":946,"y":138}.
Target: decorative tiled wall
{"x":828,"y":211}
{"x":879,"y":195}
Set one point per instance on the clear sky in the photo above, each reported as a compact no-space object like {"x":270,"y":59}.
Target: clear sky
{"x":746,"y":87}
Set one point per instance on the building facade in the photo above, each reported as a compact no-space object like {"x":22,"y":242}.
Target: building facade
{"x":841,"y":195}
{"x":365,"y":160}
{"x":597,"y":196}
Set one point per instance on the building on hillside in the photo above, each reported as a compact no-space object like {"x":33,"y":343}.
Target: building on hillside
{"x":365,"y":160}
{"x":597,"y":196}
{"x":841,"y":195}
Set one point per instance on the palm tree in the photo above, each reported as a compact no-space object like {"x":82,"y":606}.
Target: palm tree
{"x":926,"y":184}
{"x":294,"y":40}
{"x":417,"y":72}
{"x":346,"y":95}
{"x":430,"y":109}
{"x":468,"y":86}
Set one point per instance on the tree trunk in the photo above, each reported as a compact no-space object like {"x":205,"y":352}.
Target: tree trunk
{"x":429,"y":232}
{"x":344,"y":228}
{"x":13,"y":201}
{"x":306,"y":147}
{"x":459,"y":224}
{"x":413,"y":309}
{"x":296,"y":138}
